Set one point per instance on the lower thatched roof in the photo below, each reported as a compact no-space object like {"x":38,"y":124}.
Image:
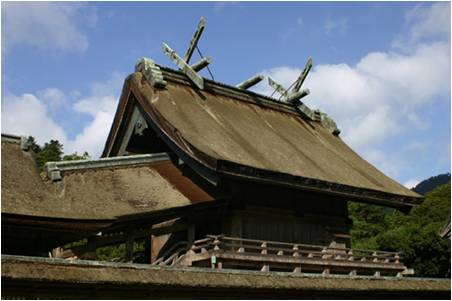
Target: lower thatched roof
{"x":93,"y":193}
{"x":133,"y":279}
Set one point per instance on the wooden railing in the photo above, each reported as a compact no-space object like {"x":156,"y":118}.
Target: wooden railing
{"x":219,"y":251}
{"x":242,"y":245}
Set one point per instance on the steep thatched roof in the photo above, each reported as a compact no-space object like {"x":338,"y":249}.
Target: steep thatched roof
{"x":236,"y":133}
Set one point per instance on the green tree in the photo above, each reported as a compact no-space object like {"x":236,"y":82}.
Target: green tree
{"x":52,"y":151}
{"x":415,"y":234}
{"x":76,"y":156}
{"x":33,"y":144}
{"x":368,"y":222}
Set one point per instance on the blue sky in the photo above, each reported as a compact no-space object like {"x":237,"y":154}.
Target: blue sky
{"x":381,"y":69}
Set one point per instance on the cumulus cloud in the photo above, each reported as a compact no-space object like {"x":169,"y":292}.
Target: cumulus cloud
{"x":378,"y":96}
{"x":29,"y":114}
{"x":429,"y":21}
{"x":45,"y":25}
{"x":411,"y":183}
{"x":101,"y":106}
{"x":52,"y":97}
{"x":92,"y":138}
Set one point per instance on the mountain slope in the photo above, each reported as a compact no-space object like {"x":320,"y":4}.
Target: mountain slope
{"x":431,"y":183}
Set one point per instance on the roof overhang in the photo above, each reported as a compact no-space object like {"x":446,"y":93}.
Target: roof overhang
{"x":154,"y":105}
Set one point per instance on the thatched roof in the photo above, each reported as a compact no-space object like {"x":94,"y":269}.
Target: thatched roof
{"x":240,"y":134}
{"x":114,"y":280}
{"x":23,"y":190}
{"x":94,"y":190}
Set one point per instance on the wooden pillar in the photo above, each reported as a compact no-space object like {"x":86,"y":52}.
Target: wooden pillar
{"x":148,"y":249}
{"x":129,"y":246}
{"x":191,"y":234}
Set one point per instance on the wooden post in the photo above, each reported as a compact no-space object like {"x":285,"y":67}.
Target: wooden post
{"x":350,"y":255}
{"x":129,"y":246}
{"x":148,"y":249}
{"x":191,"y":234}
{"x":213,"y":261}
{"x":264,"y":248}
{"x":374,"y":254}
{"x":216,"y":244}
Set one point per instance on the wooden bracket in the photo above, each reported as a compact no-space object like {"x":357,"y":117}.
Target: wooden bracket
{"x":186,"y":68}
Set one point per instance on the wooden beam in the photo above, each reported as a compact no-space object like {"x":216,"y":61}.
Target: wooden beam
{"x":279,"y":88}
{"x":129,"y":131}
{"x":195,"y":39}
{"x":250,"y":82}
{"x":129,"y":248}
{"x":302,"y":76}
{"x":191,"y":74}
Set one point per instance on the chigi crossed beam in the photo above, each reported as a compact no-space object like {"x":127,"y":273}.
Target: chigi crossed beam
{"x":295,"y":94}
{"x":291,"y":95}
{"x":192,"y":70}
{"x":182,"y":63}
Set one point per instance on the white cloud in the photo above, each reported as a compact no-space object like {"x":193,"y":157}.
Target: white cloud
{"x":92,"y":138}
{"x":94,"y":135}
{"x":27,"y":115}
{"x":379,"y":96}
{"x":425,"y":22}
{"x":52,"y":97}
{"x":339,"y":25}
{"x":95,"y":104}
{"x":386,"y":165}
{"x":411,"y":183}
{"x":429,"y":21}
{"x":45,"y":25}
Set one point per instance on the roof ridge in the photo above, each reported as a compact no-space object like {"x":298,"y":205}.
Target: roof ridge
{"x":22,"y":140}
{"x":53,"y":169}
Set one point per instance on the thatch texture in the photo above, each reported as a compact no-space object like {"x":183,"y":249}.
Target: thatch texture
{"x":222,"y":127}
{"x":138,"y":280}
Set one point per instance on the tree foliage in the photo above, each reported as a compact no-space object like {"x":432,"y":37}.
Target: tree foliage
{"x":52,"y":151}
{"x":431,"y":183}
{"x":415,"y":234}
{"x":76,"y":156}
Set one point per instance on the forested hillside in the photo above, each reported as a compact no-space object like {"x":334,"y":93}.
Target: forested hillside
{"x":431,"y":183}
{"x":415,"y":234}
